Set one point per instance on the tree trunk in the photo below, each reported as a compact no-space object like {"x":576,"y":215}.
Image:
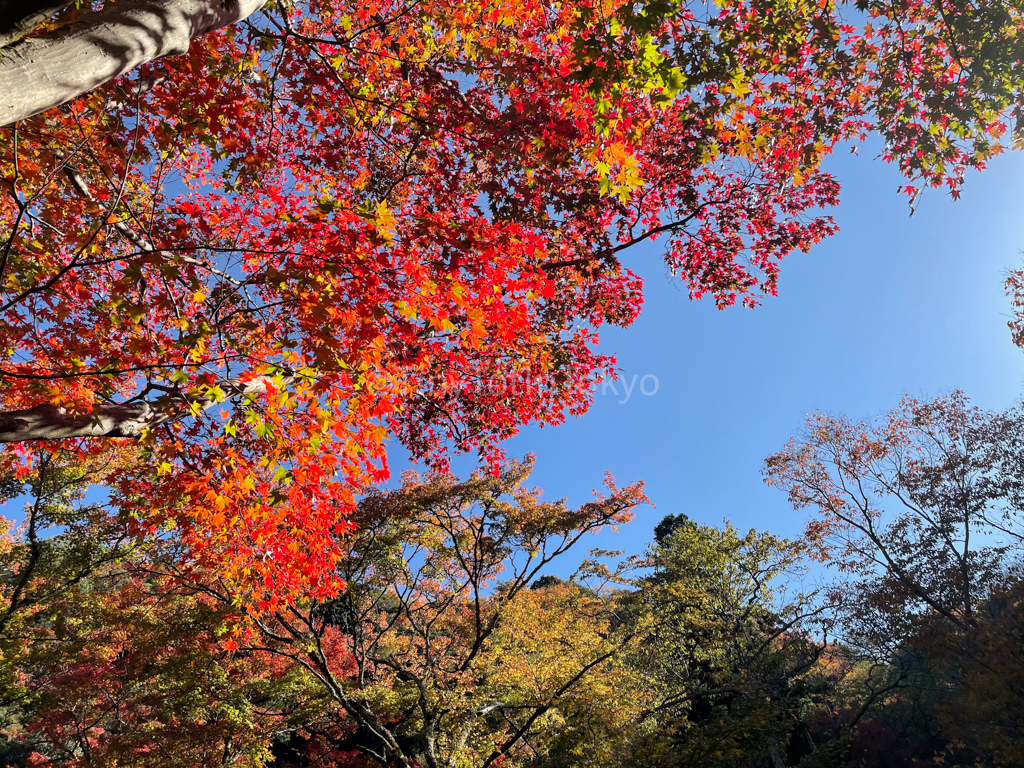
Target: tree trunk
{"x":51,"y":422}
{"x":20,"y":17}
{"x":41,"y":72}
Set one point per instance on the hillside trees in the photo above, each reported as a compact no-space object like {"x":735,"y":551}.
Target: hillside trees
{"x":733,"y":656}
{"x":60,"y":543}
{"x":130,"y":668}
{"x":921,"y":508}
{"x":105,"y":657}
{"x":921,"y":514}
{"x":436,"y":653}
{"x":452,"y":643}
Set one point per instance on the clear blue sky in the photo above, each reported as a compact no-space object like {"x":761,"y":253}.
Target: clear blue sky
{"x":890,"y":305}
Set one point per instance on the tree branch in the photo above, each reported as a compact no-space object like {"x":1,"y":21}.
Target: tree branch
{"x":51,"y":422}
{"x":41,"y":72}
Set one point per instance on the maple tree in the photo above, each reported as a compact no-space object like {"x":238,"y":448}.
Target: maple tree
{"x":104,"y":656}
{"x":132,"y":672}
{"x":436,"y":652}
{"x":60,"y":543}
{"x":325,"y":226}
{"x":448,"y":646}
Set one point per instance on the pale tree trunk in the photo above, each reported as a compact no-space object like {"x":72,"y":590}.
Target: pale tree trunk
{"x":41,"y":72}
{"x":19,"y":18}
{"x":51,"y":422}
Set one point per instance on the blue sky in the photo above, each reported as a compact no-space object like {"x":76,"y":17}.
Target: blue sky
{"x":890,"y":305}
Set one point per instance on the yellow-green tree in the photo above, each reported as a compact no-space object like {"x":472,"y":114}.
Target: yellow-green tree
{"x":437,"y":652}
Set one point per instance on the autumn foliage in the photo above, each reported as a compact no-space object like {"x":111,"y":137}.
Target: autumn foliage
{"x":235,"y":280}
{"x":332,"y":226}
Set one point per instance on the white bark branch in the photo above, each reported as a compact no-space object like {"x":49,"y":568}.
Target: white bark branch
{"x":51,"y":422}
{"x":19,"y":18}
{"x":42,"y":72}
